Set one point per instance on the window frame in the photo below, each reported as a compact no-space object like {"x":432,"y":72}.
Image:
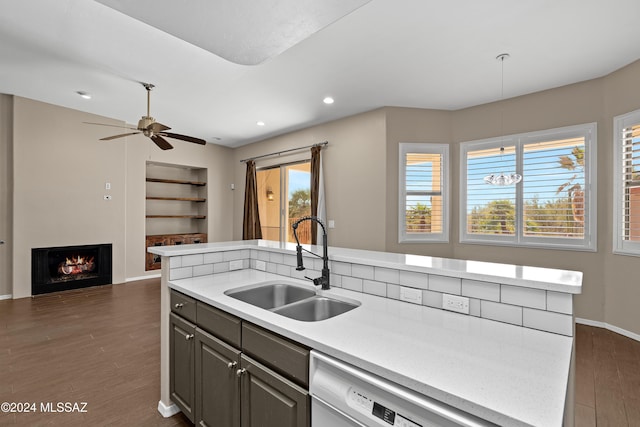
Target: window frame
{"x":423,"y":148}
{"x":621,"y":246}
{"x":589,"y":242}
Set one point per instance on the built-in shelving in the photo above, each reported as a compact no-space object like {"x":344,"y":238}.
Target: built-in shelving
{"x":177,"y":181}
{"x":178,"y":216}
{"x":182,"y":199}
{"x":176,"y":207}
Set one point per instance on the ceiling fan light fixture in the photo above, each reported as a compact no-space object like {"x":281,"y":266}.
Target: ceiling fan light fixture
{"x":148,"y":126}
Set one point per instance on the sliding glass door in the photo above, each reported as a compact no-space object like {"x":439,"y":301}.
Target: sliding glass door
{"x":284,"y":196}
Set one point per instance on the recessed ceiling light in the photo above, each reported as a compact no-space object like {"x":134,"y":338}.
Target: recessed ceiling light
{"x":328,"y":100}
{"x":260,"y":123}
{"x":83,"y":94}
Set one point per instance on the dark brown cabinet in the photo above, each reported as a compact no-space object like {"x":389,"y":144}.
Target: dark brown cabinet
{"x":269,"y":399}
{"x":230,"y":373}
{"x":217,"y":386}
{"x":182,"y":367}
{"x":153,"y":261}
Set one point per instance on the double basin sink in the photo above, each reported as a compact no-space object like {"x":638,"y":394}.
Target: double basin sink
{"x":295,"y":302}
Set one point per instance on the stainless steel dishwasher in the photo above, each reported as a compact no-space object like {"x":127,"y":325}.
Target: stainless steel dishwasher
{"x":345,"y":396}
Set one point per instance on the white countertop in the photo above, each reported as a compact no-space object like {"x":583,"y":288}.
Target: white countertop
{"x":532,"y":277}
{"x":506,"y":374}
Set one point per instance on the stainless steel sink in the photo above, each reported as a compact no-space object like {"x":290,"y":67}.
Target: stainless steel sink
{"x":315,"y":309}
{"x":293,"y":301}
{"x":271,"y":295}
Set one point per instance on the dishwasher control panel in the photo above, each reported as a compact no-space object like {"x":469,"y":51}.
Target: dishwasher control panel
{"x":360,"y":402}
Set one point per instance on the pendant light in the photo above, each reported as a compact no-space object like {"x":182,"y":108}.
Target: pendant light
{"x":501,"y":179}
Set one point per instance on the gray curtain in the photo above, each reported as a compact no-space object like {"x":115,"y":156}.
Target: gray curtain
{"x":251,"y":222}
{"x":315,"y":188}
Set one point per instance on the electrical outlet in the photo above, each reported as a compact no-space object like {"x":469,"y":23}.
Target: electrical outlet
{"x":411,"y":295}
{"x":235,"y":265}
{"x":455,"y":303}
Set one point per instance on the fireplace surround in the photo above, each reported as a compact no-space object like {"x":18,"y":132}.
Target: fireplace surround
{"x":70,"y":267}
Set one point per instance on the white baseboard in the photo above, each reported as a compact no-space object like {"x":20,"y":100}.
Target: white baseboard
{"x":167,"y":411}
{"x":609,"y":327}
{"x":135,"y":279}
{"x":6,"y":297}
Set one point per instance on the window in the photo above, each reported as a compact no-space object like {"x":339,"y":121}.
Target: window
{"x":423,"y":204}
{"x":626,"y":181}
{"x":278,"y":212}
{"x":554,"y":205}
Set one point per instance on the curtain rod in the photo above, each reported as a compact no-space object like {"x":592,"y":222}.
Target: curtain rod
{"x":277,"y":153}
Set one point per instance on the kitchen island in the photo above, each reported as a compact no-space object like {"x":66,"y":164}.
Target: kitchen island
{"x":509,"y":361}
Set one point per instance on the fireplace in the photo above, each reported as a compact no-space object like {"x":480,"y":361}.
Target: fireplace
{"x":69,"y":267}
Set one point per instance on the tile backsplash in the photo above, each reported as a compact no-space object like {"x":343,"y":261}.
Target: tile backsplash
{"x":548,"y":311}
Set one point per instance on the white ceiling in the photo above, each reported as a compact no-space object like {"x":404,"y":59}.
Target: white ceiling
{"x":413,"y":53}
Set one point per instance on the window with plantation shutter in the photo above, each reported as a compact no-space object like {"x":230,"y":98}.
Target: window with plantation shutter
{"x":491,"y":210}
{"x":627,"y":184}
{"x":423,"y":178}
{"x":554,"y":204}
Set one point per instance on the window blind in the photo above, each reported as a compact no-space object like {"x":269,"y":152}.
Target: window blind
{"x":553,"y":205}
{"x":554,"y":188}
{"x":631,"y":183}
{"x":490,"y":209}
{"x":423,"y":193}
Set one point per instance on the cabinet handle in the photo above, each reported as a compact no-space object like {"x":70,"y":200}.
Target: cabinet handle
{"x":179,"y":305}
{"x":231,"y":365}
{"x":240,"y":372}
{"x":188,"y":337}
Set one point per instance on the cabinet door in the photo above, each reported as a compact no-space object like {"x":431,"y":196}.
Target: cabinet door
{"x":217,"y":385}
{"x":153,"y":261}
{"x":270,"y":400}
{"x":182,"y":364}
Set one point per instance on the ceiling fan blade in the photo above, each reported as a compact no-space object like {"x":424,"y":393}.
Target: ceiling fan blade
{"x":113,"y":126}
{"x":108,"y":138}
{"x":156,"y":127}
{"x":161,"y":142}
{"x":184,"y":138}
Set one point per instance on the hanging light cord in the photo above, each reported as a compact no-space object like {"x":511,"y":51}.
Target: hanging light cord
{"x":502,"y":179}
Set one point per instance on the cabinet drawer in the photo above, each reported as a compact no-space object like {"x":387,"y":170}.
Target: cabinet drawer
{"x":183,"y":305}
{"x":286,"y":357}
{"x":223,"y":325}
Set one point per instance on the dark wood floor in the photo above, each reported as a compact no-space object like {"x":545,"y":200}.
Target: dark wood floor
{"x":102,"y":346}
{"x":607,"y":378}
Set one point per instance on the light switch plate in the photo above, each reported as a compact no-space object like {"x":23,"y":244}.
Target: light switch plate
{"x":411,"y":295}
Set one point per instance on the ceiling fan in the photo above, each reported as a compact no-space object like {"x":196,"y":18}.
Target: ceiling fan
{"x":148,"y":126}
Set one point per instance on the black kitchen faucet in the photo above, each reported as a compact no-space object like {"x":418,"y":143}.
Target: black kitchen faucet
{"x":324,"y":279}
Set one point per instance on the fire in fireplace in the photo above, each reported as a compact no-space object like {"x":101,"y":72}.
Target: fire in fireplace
{"x":76,"y":267}
{"x":71,"y":267}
